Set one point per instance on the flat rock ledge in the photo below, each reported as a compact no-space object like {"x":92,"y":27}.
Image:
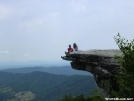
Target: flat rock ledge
{"x":101,"y":63}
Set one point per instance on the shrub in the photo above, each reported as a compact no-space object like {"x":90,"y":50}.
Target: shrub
{"x":125,"y":78}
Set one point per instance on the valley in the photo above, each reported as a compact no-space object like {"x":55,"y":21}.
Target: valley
{"x":37,"y":86}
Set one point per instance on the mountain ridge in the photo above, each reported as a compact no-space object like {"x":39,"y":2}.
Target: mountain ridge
{"x":65,"y":70}
{"x":45,"y":85}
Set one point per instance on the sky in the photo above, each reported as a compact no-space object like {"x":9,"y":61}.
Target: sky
{"x":42,"y":29}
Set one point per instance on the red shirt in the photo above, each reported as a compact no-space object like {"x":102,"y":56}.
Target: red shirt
{"x":70,"y":50}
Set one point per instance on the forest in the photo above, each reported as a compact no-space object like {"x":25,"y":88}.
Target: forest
{"x":38,"y":86}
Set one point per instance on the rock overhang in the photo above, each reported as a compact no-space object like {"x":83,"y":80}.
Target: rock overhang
{"x":101,"y":63}
{"x":95,"y":61}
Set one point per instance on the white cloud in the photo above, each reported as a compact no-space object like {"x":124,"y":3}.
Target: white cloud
{"x":26,"y":55}
{"x":4,"y":52}
{"x":33,"y":22}
{"x":5,"y":12}
{"x":52,"y":16}
{"x":78,"y":6}
{"x":41,"y":23}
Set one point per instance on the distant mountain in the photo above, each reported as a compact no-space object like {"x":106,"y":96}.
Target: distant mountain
{"x":20,"y":64}
{"x":41,"y":86}
{"x":65,"y":70}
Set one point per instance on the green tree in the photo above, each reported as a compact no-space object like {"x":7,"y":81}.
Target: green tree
{"x":95,"y":96}
{"x":125,"y":77}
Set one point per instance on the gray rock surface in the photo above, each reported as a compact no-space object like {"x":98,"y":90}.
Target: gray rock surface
{"x":100,"y":63}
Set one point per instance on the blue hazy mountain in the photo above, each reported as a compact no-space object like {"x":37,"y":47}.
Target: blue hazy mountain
{"x":20,"y":64}
{"x":65,"y":70}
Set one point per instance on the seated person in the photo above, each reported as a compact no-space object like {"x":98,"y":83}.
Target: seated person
{"x":69,"y":50}
{"x":75,"y":47}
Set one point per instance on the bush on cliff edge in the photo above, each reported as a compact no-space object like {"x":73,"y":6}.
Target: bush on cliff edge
{"x":125,"y":78}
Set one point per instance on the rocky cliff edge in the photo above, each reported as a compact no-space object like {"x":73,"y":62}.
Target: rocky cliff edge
{"x":101,"y":63}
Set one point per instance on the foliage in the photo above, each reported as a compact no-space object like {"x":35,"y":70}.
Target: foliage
{"x":125,"y":78}
{"x":95,"y":96}
{"x":46,"y":86}
{"x":7,"y":95}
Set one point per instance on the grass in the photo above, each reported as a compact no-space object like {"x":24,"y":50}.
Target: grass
{"x":23,"y":96}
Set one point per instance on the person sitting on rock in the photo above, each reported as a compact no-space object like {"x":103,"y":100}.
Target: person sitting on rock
{"x":75,"y":47}
{"x":69,"y":50}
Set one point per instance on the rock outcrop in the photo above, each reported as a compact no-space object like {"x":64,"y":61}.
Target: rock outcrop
{"x":101,"y":64}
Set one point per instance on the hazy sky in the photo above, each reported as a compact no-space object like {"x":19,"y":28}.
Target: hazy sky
{"x":43,"y":29}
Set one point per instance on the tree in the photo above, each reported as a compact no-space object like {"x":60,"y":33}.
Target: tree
{"x":95,"y":96}
{"x":125,"y":77}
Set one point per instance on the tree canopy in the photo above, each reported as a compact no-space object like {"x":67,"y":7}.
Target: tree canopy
{"x":125,"y":77}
